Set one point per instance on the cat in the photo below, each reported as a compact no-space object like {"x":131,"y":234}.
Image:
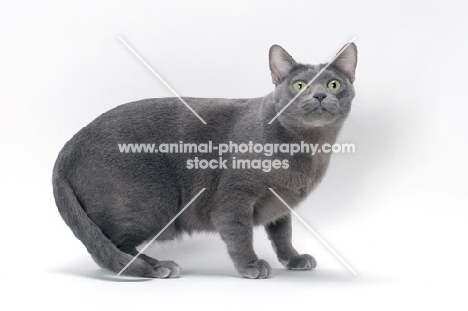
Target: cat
{"x":114,"y":201}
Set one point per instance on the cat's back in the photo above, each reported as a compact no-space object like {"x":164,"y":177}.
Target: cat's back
{"x":155,"y":120}
{"x":169,"y":115}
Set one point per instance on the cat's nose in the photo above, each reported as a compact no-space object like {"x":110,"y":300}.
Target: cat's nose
{"x":320,"y":96}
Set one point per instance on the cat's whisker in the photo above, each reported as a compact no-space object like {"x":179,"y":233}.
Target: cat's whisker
{"x":300,"y":119}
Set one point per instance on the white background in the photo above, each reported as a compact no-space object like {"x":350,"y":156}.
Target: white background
{"x":395,"y":210}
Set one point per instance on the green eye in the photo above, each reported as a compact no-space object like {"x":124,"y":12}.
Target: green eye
{"x":299,"y":85}
{"x":334,"y":85}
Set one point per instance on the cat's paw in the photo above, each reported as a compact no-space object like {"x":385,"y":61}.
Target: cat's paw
{"x":301,"y":262}
{"x":173,"y":267}
{"x":259,"y":269}
{"x":160,"y":272}
{"x":166,"y":269}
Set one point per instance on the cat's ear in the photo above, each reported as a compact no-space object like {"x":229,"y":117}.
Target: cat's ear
{"x":281,"y":63}
{"x":347,"y":61}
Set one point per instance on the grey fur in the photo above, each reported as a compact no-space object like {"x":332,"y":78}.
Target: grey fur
{"x":114,"y":201}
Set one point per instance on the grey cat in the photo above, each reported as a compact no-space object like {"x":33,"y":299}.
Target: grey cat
{"x":115,"y":201}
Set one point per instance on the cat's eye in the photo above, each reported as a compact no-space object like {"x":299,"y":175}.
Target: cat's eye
{"x":299,"y":85}
{"x":334,"y":85}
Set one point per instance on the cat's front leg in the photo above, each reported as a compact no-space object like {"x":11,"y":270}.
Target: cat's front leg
{"x":280,"y":234}
{"x":234,"y":222}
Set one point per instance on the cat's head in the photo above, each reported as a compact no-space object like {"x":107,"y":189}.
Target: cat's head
{"x":326,"y":101}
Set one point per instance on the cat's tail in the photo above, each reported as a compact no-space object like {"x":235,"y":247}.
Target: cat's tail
{"x":103,"y":251}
